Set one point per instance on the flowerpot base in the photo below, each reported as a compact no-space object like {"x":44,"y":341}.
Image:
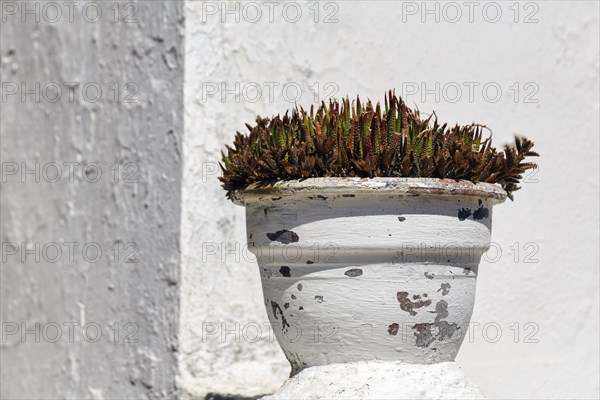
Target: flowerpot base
{"x":379,"y":380}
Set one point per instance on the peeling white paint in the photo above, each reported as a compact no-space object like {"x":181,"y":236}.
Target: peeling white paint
{"x":369,"y":269}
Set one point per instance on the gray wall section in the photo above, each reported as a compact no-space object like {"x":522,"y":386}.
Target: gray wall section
{"x":148,"y":134}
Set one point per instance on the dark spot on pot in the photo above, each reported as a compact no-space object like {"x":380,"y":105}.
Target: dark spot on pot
{"x":301,"y":308}
{"x":348,"y":195}
{"x":466,"y":271}
{"x":354,"y":272}
{"x":293,"y":297}
{"x":401,"y":219}
{"x":283,"y":236}
{"x":416,"y":297}
{"x":428,"y":275}
{"x":424,"y":294}
{"x":446,"y":330}
{"x":250,"y":236}
{"x":317,"y":197}
{"x":409,"y":306}
{"x":441,"y":310}
{"x":267,"y":273}
{"x":275,"y":198}
{"x":424,"y":333}
{"x":393,"y":329}
{"x":285,"y":271}
{"x":423,"y":336}
{"x":445,"y":288}
{"x":286,"y":305}
{"x":309,"y":262}
{"x":299,"y":287}
{"x":266,"y":210}
{"x":319,"y":299}
{"x":277,"y":311}
{"x":464,"y":213}
{"x":481,"y":213}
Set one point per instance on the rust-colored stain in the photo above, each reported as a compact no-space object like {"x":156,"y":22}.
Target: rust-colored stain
{"x":393,"y":329}
{"x":409,"y":306}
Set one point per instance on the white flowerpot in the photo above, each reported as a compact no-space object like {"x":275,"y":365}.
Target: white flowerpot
{"x":380,"y":270}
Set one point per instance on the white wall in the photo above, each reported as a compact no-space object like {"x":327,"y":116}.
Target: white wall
{"x":372,"y":47}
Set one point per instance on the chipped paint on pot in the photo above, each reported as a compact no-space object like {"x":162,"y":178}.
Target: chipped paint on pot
{"x":380,"y":269}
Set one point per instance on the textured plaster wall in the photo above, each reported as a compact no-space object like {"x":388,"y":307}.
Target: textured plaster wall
{"x":191,"y":311}
{"x":548,"y":279}
{"x":220,"y":289}
{"x":148,"y":133}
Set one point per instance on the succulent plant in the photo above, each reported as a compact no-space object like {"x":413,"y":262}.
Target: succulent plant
{"x":344,"y":139}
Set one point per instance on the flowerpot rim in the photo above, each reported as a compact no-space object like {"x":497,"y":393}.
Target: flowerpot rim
{"x":398,"y":186}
